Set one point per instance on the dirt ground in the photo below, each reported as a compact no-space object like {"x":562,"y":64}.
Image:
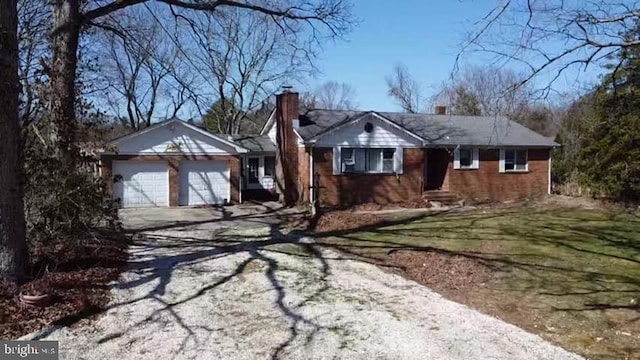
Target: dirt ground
{"x":78,"y":282}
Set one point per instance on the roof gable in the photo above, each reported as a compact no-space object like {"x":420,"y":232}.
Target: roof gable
{"x":368,"y":129}
{"x":269,"y":124}
{"x":174,"y":137}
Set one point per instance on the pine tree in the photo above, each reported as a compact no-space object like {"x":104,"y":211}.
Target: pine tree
{"x":609,"y":159}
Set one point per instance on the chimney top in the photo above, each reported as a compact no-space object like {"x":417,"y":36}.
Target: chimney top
{"x":287,"y":88}
{"x":441,"y":110}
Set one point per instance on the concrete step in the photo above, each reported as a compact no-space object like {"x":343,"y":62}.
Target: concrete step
{"x":444,"y":197}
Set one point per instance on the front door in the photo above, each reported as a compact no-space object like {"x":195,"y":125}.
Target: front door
{"x":253,"y":170}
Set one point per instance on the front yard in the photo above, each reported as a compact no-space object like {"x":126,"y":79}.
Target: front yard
{"x":569,"y":275}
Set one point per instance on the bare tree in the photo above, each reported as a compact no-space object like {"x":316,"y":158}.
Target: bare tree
{"x":405,"y":89}
{"x":496,"y":90}
{"x":13,"y":253}
{"x":528,"y":32}
{"x":243,"y":57}
{"x":72,"y":16}
{"x":331,"y":95}
{"x":142,"y":70}
{"x":33,"y":26}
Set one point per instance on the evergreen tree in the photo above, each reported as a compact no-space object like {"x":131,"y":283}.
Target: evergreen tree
{"x":219,"y":118}
{"x":609,"y":159}
{"x":466,"y":103}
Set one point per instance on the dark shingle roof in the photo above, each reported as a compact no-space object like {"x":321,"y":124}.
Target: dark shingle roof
{"x":257,"y":143}
{"x":435,"y":129}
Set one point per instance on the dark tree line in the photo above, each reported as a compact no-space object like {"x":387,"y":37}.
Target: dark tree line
{"x":601,"y":131}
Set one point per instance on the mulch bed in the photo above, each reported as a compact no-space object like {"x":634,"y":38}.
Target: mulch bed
{"x":451,"y":275}
{"x":336,"y":221}
{"x":357,"y":218}
{"x":413,"y":203}
{"x":78,"y":284}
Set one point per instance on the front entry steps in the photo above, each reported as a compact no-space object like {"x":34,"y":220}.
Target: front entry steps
{"x":441,"y":197}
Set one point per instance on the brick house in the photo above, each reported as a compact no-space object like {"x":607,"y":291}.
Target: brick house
{"x":342,"y":158}
{"x":331,"y":159}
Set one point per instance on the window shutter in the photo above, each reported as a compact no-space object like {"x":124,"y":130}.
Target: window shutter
{"x":501,"y":160}
{"x":398,"y":160}
{"x":476,"y":159}
{"x":456,"y":158}
{"x":337,"y":166}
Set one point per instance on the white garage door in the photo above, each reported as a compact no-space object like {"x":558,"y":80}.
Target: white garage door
{"x":204,"y":182}
{"x":143,"y":184}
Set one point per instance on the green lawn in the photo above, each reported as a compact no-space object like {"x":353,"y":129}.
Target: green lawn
{"x":572,"y":276}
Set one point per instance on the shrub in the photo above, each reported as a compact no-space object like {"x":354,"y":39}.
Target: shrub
{"x":63,"y":209}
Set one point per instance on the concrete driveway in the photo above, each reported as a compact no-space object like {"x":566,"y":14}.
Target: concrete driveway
{"x":205,"y":285}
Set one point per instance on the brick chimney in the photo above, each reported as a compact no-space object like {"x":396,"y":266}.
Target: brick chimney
{"x":441,"y":110}
{"x":287,"y":146}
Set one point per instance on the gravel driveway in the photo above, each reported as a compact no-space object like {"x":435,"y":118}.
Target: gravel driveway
{"x":251,"y":292}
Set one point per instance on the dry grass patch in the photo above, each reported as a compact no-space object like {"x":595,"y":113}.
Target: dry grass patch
{"x":570,"y":275}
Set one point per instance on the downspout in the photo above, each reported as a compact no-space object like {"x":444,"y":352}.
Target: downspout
{"x":549,"y":176}
{"x":312,"y":199}
{"x":243,"y":162}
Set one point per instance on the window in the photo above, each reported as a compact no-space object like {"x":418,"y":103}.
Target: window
{"x":360,"y":160}
{"x":515,"y":160}
{"x":466,"y":158}
{"x":387,"y":159}
{"x":269,"y":165}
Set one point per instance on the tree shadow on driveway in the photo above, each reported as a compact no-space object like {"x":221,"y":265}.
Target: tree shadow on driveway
{"x":158,"y":255}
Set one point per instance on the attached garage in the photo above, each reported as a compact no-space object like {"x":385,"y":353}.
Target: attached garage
{"x":173,"y":163}
{"x":204,"y":182}
{"x":141,"y":183}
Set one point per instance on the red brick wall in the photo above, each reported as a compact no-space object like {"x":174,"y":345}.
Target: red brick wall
{"x":174,"y":169}
{"x":488,"y":184}
{"x":303,"y":174}
{"x":287,"y":147}
{"x":350,"y":189}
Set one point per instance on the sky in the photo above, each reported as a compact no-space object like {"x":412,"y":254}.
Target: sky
{"x":424,"y":35}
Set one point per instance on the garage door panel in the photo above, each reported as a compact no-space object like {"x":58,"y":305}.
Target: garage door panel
{"x":204,"y":182}
{"x":143,"y":184}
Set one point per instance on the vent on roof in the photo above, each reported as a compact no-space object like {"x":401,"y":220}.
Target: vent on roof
{"x":368,"y":127}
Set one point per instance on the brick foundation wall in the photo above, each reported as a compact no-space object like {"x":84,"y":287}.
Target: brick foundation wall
{"x":488,"y":184}
{"x":350,"y":189}
{"x":174,"y":171}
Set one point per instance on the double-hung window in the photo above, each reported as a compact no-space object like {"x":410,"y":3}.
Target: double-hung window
{"x":367,"y":160}
{"x":515,"y":160}
{"x":466,"y":158}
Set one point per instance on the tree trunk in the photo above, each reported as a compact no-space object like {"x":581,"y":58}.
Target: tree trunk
{"x":66,"y":34}
{"x":13,"y":249}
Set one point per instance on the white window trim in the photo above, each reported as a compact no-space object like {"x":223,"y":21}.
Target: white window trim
{"x":503,"y":156}
{"x":475,"y":160}
{"x":397,"y":161}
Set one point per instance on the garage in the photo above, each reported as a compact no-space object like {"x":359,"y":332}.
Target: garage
{"x":142,"y":184}
{"x":173,"y":163}
{"x":204,"y":182}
